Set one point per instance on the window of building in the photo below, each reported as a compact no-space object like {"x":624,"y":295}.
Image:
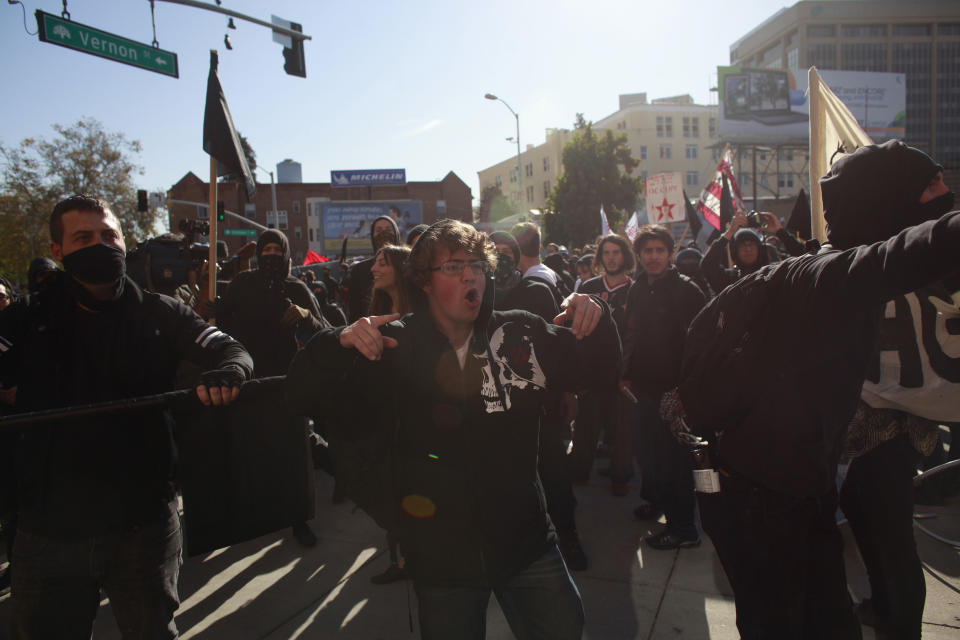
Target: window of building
{"x":821,"y":31}
{"x":793,"y":59}
{"x":528,"y":170}
{"x":823,"y":56}
{"x":763,"y":179}
{"x":864,"y":56}
{"x":695,"y":126}
{"x":546,"y":163}
{"x":665,"y":151}
{"x":693,"y":178}
{"x":311,"y":234}
{"x":668,"y":125}
{"x":250,"y":210}
{"x":948,"y":29}
{"x":686,"y":127}
{"x":498,"y":181}
{"x":659,"y":126}
{"x":297,"y":233}
{"x":546,"y":189}
{"x":745,"y":180}
{"x":713,"y":127}
{"x":786,"y":155}
{"x":911,"y":30}
{"x":530,"y":193}
{"x":513,"y":175}
{"x":691,"y":152}
{"x":282,"y":220}
{"x":763,"y":156}
{"x":296,"y":206}
{"x":202,"y":212}
{"x":643,"y":152}
{"x":785,"y":180}
{"x":442,"y":207}
{"x":863,"y":30}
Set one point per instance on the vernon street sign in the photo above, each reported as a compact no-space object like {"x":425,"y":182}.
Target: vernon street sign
{"x":240,"y":232}
{"x":73,"y":35}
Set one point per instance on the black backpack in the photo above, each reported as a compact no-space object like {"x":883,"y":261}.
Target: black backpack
{"x":724,"y":356}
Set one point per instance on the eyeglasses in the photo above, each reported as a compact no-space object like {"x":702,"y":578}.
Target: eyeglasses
{"x":454,"y":268}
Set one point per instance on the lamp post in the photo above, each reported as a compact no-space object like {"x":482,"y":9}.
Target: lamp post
{"x":273,"y":195}
{"x":490,"y":96}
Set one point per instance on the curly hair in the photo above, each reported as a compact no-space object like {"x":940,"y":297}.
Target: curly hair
{"x":451,"y":235}
{"x":628,"y":258}
{"x":380,"y":302}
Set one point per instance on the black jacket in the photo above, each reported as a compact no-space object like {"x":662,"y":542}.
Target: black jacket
{"x":83,"y":477}
{"x":472,"y":510}
{"x":530,"y":295}
{"x":825,"y":319}
{"x":654,"y":329}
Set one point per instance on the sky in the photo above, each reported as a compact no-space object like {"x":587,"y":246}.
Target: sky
{"x":389,"y":84}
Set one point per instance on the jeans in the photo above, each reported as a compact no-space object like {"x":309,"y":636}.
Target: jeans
{"x":56,"y":584}
{"x":540,"y":603}
{"x":784,"y":558}
{"x":667,"y":466}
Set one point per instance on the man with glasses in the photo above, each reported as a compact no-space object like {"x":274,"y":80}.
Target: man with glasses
{"x":459,"y":387}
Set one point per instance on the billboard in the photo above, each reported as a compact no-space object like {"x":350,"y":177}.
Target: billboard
{"x":354,"y":219}
{"x":771,"y":105}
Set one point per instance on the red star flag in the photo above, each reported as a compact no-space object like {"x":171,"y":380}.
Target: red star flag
{"x":664,"y":193}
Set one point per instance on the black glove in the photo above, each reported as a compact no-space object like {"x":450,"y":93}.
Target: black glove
{"x":229,"y":377}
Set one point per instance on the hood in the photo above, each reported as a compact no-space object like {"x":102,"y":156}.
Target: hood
{"x":275,"y":235}
{"x":396,"y":229}
{"x":873,"y":193}
{"x":747,"y":234}
{"x":39,"y":265}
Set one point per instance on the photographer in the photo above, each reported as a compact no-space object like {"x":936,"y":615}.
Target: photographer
{"x":744,"y":237}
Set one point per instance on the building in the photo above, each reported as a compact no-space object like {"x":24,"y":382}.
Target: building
{"x":920,"y":38}
{"x":306,"y":209}
{"x":665,"y":135}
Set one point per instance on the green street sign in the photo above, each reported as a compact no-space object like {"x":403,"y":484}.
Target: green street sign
{"x":240,"y":232}
{"x":73,"y":35}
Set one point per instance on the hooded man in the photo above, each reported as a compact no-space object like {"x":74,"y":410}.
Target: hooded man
{"x":776,"y":451}
{"x":457,"y":387}
{"x":96,"y":498}
{"x":40,"y":269}
{"x":383,"y":231}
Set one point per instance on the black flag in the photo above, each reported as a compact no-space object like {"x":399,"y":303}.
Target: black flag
{"x":220,"y":138}
{"x":693,"y":218}
{"x":799,"y":221}
{"x":727,"y":209}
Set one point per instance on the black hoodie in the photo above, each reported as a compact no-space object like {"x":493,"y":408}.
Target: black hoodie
{"x":470,"y":503}
{"x":823,"y":320}
{"x":254,"y":303}
{"x":360,"y":280}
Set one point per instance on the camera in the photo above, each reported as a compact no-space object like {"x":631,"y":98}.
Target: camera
{"x":755,"y":219}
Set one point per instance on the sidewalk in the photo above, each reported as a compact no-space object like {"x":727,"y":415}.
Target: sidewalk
{"x":273,"y":589}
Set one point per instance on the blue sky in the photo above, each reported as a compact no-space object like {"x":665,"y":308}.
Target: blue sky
{"x":389,"y":84}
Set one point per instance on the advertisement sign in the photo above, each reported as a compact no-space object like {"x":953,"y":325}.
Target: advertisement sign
{"x":368,"y":177}
{"x":771,"y":105}
{"x":353,"y":220}
{"x":665,"y":198}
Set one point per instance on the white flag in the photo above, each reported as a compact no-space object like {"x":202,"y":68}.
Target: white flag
{"x":633,"y":227}
{"x":665,"y":202}
{"x":604,"y":225}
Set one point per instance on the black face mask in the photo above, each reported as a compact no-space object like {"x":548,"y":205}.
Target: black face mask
{"x":506,"y":267}
{"x":273,"y":266}
{"x":96,"y":264}
{"x":935,"y":208}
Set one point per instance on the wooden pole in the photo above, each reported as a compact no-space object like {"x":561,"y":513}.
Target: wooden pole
{"x":212,"y":210}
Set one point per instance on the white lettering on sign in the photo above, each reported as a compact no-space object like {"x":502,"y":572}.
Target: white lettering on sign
{"x":108,"y":47}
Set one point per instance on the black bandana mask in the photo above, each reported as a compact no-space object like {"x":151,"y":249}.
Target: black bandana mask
{"x":273,"y":267}
{"x":934,"y":208}
{"x":506,"y":267}
{"x":97,"y":264}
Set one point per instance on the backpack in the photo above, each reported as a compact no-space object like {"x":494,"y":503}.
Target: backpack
{"x":723,"y":354}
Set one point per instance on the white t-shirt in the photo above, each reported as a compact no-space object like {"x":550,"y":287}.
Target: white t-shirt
{"x":462,"y":351}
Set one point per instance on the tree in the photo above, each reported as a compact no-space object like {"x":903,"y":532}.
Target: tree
{"x":38,"y":173}
{"x":251,"y":161}
{"x":596,"y":171}
{"x":495,"y":206}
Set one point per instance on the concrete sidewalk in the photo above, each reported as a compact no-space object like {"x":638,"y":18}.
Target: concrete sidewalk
{"x":271,"y":588}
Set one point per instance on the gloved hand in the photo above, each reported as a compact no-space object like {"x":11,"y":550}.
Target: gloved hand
{"x":219,"y":387}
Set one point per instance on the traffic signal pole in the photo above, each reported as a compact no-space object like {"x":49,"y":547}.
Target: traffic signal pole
{"x":229,"y":12}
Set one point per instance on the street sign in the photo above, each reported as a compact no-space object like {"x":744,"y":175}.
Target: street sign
{"x":240,"y":232}
{"x":73,"y":35}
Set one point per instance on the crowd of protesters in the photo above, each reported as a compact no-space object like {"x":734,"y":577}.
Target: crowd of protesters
{"x":496,"y":372}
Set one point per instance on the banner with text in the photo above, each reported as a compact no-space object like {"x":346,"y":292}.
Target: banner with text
{"x":353,"y":220}
{"x":368,"y":177}
{"x":665,"y":202}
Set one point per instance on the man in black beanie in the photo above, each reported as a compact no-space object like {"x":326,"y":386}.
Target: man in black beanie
{"x":778,"y":442}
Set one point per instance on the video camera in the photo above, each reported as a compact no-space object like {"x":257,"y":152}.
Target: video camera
{"x":171,"y":257}
{"x":755,"y":219}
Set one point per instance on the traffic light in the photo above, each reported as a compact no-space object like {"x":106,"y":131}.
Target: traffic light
{"x":294,"y":62}
{"x":142,"y":200}
{"x":221,"y":216}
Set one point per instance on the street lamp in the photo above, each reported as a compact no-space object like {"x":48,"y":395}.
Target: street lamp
{"x":490,"y":96}
{"x":273,"y":195}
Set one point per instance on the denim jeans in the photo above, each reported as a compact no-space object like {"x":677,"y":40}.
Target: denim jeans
{"x":56,"y":585}
{"x":540,"y":603}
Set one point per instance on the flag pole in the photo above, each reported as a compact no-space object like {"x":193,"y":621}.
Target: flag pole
{"x":817,"y":160}
{"x":212,"y":210}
